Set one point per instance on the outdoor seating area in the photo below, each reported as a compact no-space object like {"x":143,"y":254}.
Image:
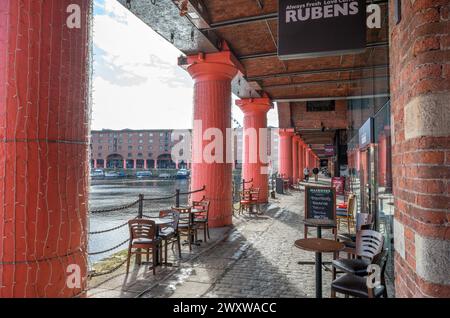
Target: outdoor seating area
{"x":154,"y":235}
{"x":359,"y":254}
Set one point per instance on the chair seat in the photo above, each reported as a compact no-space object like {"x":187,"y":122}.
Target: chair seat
{"x":185,"y":226}
{"x":248,"y":201}
{"x":352,"y":266}
{"x":166,"y":232}
{"x":200,"y":220}
{"x":144,"y":241}
{"x":354,"y":286}
{"x":347,"y":237}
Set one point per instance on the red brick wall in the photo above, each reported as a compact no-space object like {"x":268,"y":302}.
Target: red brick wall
{"x":420,"y":88}
{"x":336,"y":119}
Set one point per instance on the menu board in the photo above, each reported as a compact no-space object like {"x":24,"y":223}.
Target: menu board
{"x":320,"y":203}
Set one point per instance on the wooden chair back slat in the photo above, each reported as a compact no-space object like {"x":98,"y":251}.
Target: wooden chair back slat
{"x":142,"y":229}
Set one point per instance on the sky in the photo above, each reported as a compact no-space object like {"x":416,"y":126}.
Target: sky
{"x":137,"y":83}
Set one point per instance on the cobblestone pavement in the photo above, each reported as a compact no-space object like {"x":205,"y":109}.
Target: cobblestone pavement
{"x":256,"y":259}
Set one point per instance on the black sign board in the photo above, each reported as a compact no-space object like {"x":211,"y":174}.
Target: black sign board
{"x":279,"y":185}
{"x":366,"y":135}
{"x":311,"y":28}
{"x":320,"y":203}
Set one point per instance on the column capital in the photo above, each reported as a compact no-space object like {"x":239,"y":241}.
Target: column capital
{"x":255,"y":105}
{"x":213,"y":66}
{"x":286,"y":132}
{"x":297,"y":139}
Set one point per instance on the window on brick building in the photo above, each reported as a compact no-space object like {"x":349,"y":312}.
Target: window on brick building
{"x":130,"y":147}
{"x":130,"y":155}
{"x":321,"y":106}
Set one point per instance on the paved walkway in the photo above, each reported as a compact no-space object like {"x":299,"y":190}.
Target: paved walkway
{"x":255,"y":258}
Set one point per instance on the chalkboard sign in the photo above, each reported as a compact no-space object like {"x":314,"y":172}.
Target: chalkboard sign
{"x":320,"y":203}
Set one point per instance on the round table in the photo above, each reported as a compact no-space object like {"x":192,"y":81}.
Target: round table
{"x":319,"y":246}
{"x":319,"y":223}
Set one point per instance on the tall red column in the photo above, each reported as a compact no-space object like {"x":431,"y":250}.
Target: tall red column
{"x":301,"y":160}
{"x":44,"y":128}
{"x":308,"y":157}
{"x":295,"y":141}
{"x":285,"y":152}
{"x":253,"y":166}
{"x":212,"y":74}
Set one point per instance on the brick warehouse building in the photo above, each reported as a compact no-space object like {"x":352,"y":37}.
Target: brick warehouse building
{"x":133,"y":149}
{"x":394,"y":93}
{"x":151,"y":149}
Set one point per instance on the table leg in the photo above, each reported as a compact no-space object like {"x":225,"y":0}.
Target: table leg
{"x":319,"y":232}
{"x":318,"y":275}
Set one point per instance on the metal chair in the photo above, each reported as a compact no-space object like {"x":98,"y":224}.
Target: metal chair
{"x":369,"y":244}
{"x":143,"y":238}
{"x":358,"y":285}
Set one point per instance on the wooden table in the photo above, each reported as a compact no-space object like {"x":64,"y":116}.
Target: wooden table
{"x":158,"y":222}
{"x":319,"y":246}
{"x":319,"y":223}
{"x":193,"y":212}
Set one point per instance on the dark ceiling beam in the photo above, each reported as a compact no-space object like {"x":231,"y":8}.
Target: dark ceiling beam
{"x":241,"y":21}
{"x":318,"y":71}
{"x":275,"y":54}
{"x":346,"y":81}
{"x":259,"y":18}
{"x":292,"y":99}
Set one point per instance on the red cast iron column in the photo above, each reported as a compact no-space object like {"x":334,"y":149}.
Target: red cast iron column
{"x":295,"y":140}
{"x":44,"y":128}
{"x":255,"y":118}
{"x":301,"y":160}
{"x":285,"y":152}
{"x":212,"y":74}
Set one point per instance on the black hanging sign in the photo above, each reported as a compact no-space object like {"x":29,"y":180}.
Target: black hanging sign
{"x":320,"y":203}
{"x":313,"y":28}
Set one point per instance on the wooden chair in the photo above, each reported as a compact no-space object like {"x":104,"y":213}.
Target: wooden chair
{"x":255,"y":199}
{"x":369,"y":244}
{"x":363,"y":222}
{"x":186,"y":226}
{"x":347,"y":215}
{"x":169,"y":233}
{"x":357,"y":285}
{"x":245,"y":201}
{"x":143,"y":238}
{"x":201,"y":218}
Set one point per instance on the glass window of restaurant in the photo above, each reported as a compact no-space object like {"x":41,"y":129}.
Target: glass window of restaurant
{"x":370,"y":174}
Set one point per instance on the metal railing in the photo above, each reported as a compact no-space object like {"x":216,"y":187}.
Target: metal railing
{"x":140,"y":214}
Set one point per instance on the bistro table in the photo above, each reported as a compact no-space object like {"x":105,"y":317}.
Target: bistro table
{"x":159,"y":222}
{"x":193,"y":213}
{"x":319,"y":246}
{"x":319,"y":224}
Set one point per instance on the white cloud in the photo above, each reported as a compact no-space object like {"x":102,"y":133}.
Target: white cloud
{"x":137,"y":82}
